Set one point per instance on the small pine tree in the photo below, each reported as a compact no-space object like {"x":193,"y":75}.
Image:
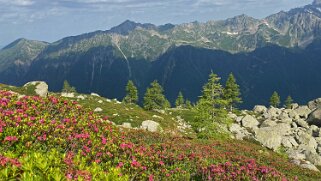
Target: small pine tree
{"x":275,"y":99}
{"x":288,"y":102}
{"x":154,"y":97}
{"x":180,"y":100}
{"x":232,"y":92}
{"x":131,"y":93}
{"x":188,"y":104}
{"x":67,"y":87}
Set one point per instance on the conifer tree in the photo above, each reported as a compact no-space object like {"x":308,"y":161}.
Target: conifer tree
{"x":154,"y":97}
{"x":275,"y":99}
{"x":232,"y":92}
{"x":180,"y":100}
{"x":188,"y":104}
{"x":288,"y":102}
{"x":211,"y":104}
{"x":67,"y":87}
{"x":131,"y":93}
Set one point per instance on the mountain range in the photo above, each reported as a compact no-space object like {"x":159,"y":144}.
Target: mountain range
{"x":278,"y":53}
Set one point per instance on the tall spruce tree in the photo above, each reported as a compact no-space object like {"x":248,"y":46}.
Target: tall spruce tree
{"x":211,"y":104}
{"x":275,"y":99}
{"x":210,"y":110}
{"x":232,"y":92}
{"x":131,"y":93}
{"x":154,"y":97}
{"x":288,"y":102}
{"x":180,"y":100}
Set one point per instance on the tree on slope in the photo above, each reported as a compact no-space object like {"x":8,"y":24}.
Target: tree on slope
{"x":275,"y":99}
{"x":288,"y":102}
{"x":131,"y":93}
{"x":67,"y":87}
{"x":154,"y":97}
{"x":232,"y":92}
{"x":210,"y":109}
{"x":179,"y":103}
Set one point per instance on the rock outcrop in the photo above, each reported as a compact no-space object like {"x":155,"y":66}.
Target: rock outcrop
{"x":296,"y":130}
{"x":39,"y":87}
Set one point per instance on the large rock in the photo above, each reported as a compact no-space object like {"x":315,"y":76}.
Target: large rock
{"x":39,"y":87}
{"x":273,"y":112}
{"x":306,"y":141}
{"x":302,"y":123}
{"x":315,"y":117}
{"x":268,"y":123}
{"x":271,"y":137}
{"x":151,"y":126}
{"x":259,"y":109}
{"x":303,"y":111}
{"x":249,"y":122}
{"x":239,"y":131}
{"x":314,"y":158}
{"x":315,"y":104}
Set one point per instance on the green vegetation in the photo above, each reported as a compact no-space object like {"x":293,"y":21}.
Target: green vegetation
{"x":288,"y":101}
{"x":180,"y":103}
{"x":131,"y":93}
{"x":67,"y":88}
{"x":275,"y":99}
{"x":59,"y":139}
{"x":210,"y":109}
{"x":154,"y":97}
{"x":232,"y":92}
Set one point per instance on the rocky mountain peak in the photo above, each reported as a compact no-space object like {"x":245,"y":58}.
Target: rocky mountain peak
{"x":128,"y":26}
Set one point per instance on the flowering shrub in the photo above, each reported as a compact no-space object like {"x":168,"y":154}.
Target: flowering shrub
{"x":55,"y":139}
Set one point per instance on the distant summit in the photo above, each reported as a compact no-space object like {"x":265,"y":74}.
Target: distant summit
{"x":128,"y":26}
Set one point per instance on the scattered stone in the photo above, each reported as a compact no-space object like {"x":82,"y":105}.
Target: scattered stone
{"x":315,"y":104}
{"x":151,"y":126}
{"x":302,"y":123}
{"x":249,"y":122}
{"x":127,"y":125}
{"x":81,"y":97}
{"x":306,"y":140}
{"x":259,"y":109}
{"x":67,"y":94}
{"x":95,"y":94}
{"x":310,"y":167}
{"x":271,"y":137}
{"x":268,"y":123}
{"x":294,"y":106}
{"x":98,"y":109}
{"x":239,"y":132}
{"x":295,"y":154}
{"x":303,"y":111}
{"x":100,"y":101}
{"x":314,"y":158}
{"x":158,"y":117}
{"x":239,"y":119}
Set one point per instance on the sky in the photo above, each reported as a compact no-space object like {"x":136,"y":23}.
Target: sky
{"x":51,"y":20}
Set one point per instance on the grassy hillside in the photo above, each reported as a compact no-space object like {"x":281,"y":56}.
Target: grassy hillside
{"x":55,"y":138}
